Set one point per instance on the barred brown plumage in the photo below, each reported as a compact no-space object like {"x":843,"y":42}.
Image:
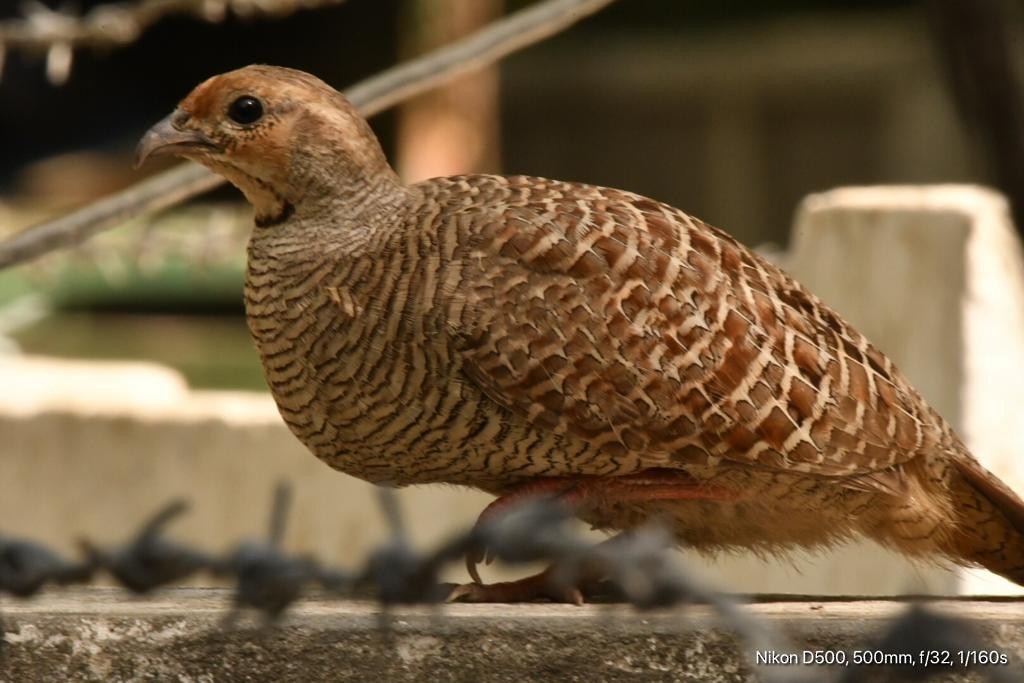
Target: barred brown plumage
{"x":521,"y":334}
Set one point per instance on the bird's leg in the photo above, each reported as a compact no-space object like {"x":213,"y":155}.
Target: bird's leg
{"x":557,"y":487}
{"x":645,"y":486}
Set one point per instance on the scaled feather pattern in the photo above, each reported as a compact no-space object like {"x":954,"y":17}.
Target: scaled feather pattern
{"x":517,"y":334}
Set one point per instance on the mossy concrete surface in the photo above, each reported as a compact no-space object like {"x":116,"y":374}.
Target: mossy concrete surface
{"x":98,"y":634}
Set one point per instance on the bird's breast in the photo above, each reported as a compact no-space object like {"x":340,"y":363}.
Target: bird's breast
{"x":355,"y":363}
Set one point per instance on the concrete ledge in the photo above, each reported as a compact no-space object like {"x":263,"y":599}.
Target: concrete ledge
{"x":96,"y":634}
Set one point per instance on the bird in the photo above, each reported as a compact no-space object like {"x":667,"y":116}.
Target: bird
{"x":525,"y":336}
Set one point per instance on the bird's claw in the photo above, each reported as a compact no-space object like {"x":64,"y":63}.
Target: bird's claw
{"x":474,"y":557}
{"x":537,"y":587}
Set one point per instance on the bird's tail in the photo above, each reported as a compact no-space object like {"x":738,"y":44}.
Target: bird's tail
{"x":990,"y":529}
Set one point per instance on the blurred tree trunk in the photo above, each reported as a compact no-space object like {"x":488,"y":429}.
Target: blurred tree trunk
{"x":976,"y":39}
{"x":454,"y":129}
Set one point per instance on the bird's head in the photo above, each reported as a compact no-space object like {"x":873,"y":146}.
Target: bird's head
{"x":285,"y":138}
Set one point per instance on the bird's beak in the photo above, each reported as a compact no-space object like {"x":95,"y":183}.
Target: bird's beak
{"x":165,"y":138}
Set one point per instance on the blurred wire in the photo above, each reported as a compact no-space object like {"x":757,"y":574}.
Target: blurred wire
{"x":371,"y":96}
{"x":640,"y":565}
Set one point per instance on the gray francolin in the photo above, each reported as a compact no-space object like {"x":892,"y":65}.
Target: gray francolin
{"x":516,"y":334}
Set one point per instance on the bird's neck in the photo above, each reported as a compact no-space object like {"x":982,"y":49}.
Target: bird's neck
{"x":346,"y":218}
{"x":351,"y":200}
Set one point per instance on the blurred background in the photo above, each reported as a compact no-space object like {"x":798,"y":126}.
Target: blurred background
{"x":732,"y":110}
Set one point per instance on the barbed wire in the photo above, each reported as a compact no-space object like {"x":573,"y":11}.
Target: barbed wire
{"x":58,"y":32}
{"x":637,"y":567}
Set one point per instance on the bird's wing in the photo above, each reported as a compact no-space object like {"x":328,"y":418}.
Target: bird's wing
{"x":625,"y":321}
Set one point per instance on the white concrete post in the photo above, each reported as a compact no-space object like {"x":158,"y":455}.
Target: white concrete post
{"x":933,"y":276}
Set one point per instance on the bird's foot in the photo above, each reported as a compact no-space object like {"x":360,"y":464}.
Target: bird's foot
{"x":555,"y":487}
{"x":542,"y":586}
{"x":644,"y":486}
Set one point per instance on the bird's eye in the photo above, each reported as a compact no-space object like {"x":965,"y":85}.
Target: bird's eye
{"x":245,"y":110}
